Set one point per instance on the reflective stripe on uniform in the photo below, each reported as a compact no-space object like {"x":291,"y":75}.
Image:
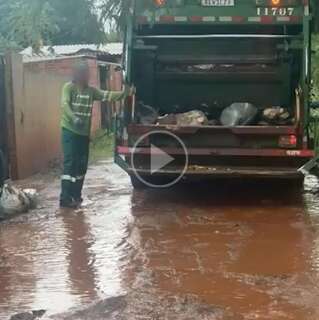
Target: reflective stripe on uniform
{"x":109,"y":96}
{"x":83,"y":114}
{"x":68,"y":178}
{"x":82,"y":105}
{"x":80,"y":178}
{"x":105,"y":96}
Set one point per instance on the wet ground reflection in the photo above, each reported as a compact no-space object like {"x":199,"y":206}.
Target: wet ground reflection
{"x":230,"y":251}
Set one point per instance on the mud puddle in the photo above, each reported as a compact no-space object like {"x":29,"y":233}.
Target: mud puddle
{"x":231,"y":251}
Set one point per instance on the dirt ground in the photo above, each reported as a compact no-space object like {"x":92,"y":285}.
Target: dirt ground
{"x":223,"y":251}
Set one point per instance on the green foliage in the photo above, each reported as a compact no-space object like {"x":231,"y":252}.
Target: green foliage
{"x":113,"y":35}
{"x":314,"y":114}
{"x":43,"y":22}
{"x":315,"y":68}
{"x":78,"y":22}
{"x":102,"y":146}
{"x":31,"y":23}
{"x":315,"y":6}
{"x":6,"y":44}
{"x":115,"y":11}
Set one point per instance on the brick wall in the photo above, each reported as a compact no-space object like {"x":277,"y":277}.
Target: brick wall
{"x":37,"y":90}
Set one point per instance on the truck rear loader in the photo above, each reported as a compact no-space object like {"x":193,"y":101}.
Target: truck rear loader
{"x":186,"y":55}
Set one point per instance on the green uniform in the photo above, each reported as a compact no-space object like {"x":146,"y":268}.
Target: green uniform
{"x":77,"y":104}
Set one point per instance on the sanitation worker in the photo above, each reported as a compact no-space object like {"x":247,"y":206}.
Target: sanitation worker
{"x":77,"y":103}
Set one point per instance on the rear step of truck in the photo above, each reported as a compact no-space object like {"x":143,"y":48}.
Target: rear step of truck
{"x":222,"y":172}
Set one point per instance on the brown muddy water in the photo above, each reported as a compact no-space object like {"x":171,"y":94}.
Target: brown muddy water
{"x":230,"y":251}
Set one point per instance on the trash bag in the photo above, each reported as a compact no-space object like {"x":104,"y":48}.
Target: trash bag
{"x":239,"y":114}
{"x":192,"y":118}
{"x":146,"y":115}
{"x":13,"y":201}
{"x":33,"y":197}
{"x":167,"y":119}
{"x":276,"y":116}
{"x":35,"y":314}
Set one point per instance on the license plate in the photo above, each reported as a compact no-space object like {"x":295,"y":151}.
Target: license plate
{"x":218,"y":3}
{"x":275,"y":11}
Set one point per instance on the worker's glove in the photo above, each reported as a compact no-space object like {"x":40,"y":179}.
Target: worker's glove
{"x":78,"y":122}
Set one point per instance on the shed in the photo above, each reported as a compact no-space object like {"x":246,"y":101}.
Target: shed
{"x":111,"y":52}
{"x":37,"y":81}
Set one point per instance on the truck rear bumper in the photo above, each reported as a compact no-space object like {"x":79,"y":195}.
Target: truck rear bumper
{"x":304,"y":153}
{"x":250,"y":163}
{"x":200,"y":172}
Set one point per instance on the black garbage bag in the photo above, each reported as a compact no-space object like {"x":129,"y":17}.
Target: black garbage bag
{"x":146,"y":115}
{"x":239,"y":114}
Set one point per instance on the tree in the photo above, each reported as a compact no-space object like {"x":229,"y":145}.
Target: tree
{"x":315,"y":6}
{"x":43,"y":22}
{"x":78,"y":22}
{"x":31,"y":23}
{"x":115,"y":11}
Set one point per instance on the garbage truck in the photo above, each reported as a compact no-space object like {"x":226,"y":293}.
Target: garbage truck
{"x":222,"y":90}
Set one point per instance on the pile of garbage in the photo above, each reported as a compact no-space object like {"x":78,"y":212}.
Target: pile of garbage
{"x":191,"y":118}
{"x":237,"y":114}
{"x":276,"y":116}
{"x":15,"y":201}
{"x":188,"y":68}
{"x":31,"y":315}
{"x":146,"y":114}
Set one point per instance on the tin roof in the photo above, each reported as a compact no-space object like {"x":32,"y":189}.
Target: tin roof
{"x":47,"y":52}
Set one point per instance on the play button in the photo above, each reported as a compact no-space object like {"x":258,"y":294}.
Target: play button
{"x":159,"y":159}
{"x":163,"y":162}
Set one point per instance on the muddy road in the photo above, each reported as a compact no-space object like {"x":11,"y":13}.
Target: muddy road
{"x":233,"y":251}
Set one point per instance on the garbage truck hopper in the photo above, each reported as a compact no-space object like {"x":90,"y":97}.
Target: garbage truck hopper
{"x":228,"y":78}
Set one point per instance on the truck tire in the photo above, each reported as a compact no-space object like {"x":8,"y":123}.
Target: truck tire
{"x":298,"y":183}
{"x":155,"y":181}
{"x":137,"y":183}
{"x":293,"y":185}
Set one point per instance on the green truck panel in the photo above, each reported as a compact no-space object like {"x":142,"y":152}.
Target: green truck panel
{"x":201,"y":11}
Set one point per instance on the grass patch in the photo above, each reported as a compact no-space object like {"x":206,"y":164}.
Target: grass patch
{"x":102,"y":146}
{"x":315,"y":68}
{"x":314,"y":114}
